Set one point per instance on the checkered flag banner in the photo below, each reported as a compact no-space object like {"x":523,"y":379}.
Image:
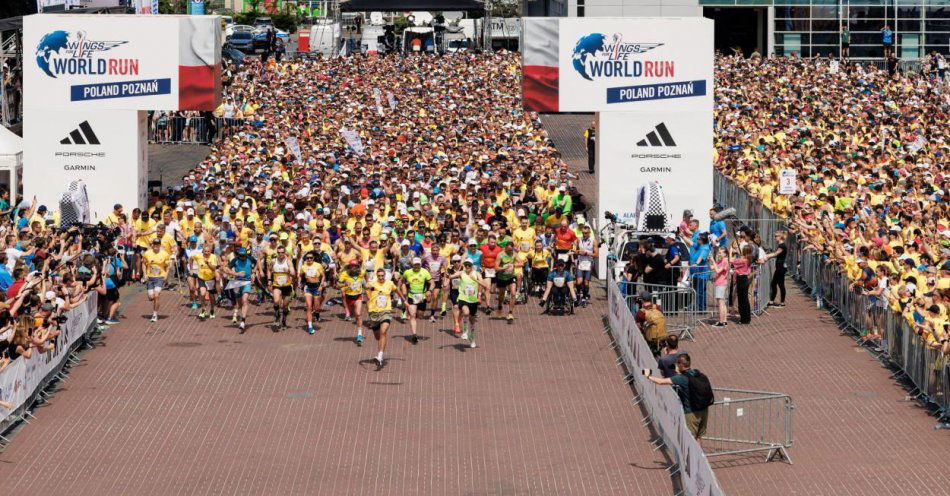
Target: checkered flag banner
{"x":651,"y":208}
{"x":74,"y":205}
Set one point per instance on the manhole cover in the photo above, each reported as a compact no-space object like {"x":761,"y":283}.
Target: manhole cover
{"x":300,"y":395}
{"x":184,"y":344}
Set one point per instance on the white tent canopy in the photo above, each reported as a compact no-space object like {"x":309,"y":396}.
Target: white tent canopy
{"x":11,"y":162}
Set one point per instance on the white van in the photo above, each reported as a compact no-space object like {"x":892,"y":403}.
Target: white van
{"x":325,"y":38}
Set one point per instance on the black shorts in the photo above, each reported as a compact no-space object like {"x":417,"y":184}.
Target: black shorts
{"x":472,"y":307}
{"x":376,"y":320}
{"x":419,"y":306}
{"x":112,"y":295}
{"x":504,"y":283}
{"x":845,"y":44}
{"x":454,"y":296}
{"x":285,"y":290}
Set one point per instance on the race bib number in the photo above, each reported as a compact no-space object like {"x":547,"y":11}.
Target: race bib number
{"x":417,"y":298}
{"x":356,"y":286}
{"x":434,"y":266}
{"x":563,"y":256}
{"x":469,"y":291}
{"x":584,"y":265}
{"x":382,"y":300}
{"x":311,"y":272}
{"x":455,"y":283}
{"x":489,"y":273}
{"x":559,"y":281}
{"x":155,"y":271}
{"x":281,"y":279}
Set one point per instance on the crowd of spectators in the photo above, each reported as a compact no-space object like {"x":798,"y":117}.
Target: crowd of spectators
{"x":44,"y":273}
{"x":870,"y":151}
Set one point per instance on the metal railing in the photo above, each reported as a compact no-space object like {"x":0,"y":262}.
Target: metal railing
{"x":677,"y":303}
{"x":743,"y":421}
{"x":890,"y":335}
{"x":193,"y":129}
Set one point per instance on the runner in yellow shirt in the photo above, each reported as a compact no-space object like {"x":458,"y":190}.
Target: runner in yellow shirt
{"x":311,"y":276}
{"x":380,"y":304}
{"x":155,"y":263}
{"x":207,"y":268}
{"x":351,"y":283}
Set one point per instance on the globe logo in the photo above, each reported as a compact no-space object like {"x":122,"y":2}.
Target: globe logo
{"x":587,"y":47}
{"x":51,"y":43}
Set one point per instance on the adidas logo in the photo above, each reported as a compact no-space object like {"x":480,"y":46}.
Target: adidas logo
{"x":653,"y":140}
{"x":82,"y":135}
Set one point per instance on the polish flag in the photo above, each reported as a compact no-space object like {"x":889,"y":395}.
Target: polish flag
{"x":199,"y":64}
{"x":540,"y":64}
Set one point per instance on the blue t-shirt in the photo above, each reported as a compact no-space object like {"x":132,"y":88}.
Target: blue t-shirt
{"x":699,"y":260}
{"x":476,"y":259}
{"x":888,"y":36}
{"x":243,"y":266}
{"x":718,"y":228}
{"x":5,"y":278}
{"x":568,"y":277}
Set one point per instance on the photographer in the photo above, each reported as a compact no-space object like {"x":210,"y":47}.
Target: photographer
{"x":652,"y":322}
{"x":694,"y":391}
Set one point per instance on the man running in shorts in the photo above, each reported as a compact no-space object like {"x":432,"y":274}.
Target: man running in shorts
{"x":586,"y":254}
{"x":192,"y":250}
{"x":505,"y":281}
{"x":351,"y":282}
{"x":241,"y":268}
{"x":311,"y":280}
{"x":207,"y":268}
{"x":282,"y":277}
{"x":416,"y":282}
{"x":435,"y":263}
{"x":490,"y":252}
{"x":452,"y":286}
{"x":380,"y":305}
{"x":471,"y":284}
{"x":155,"y":263}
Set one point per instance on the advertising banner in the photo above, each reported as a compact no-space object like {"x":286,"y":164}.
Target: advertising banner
{"x":24,"y":376}
{"x":106,"y":149}
{"x":122,"y":62}
{"x":672,"y":148}
{"x":617,"y":64}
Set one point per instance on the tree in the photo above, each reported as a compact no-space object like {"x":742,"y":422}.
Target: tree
{"x":255,"y":5}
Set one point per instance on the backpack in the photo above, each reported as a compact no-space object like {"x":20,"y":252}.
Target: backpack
{"x":700,"y":391}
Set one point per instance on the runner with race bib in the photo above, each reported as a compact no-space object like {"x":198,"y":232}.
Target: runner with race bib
{"x":416,"y":282}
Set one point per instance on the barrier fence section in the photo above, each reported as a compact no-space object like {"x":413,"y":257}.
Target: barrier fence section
{"x":661,"y":402}
{"x":24,"y":378}
{"x":742,"y":421}
{"x":868,"y":317}
{"x":194,"y":129}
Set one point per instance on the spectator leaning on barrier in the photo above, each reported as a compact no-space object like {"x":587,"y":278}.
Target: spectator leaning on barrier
{"x":671,"y":352}
{"x":652,"y":322}
{"x":695,"y":393}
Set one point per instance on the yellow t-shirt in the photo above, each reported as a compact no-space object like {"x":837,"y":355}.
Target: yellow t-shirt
{"x":312,"y":272}
{"x":206,"y":266}
{"x":156,"y":263}
{"x":521,"y":236}
{"x":380,"y":296}
{"x":352,"y":285}
{"x":539,"y":258}
{"x":142,"y":225}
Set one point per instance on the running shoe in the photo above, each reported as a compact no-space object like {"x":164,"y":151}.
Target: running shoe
{"x":194,"y":306}
{"x":472,"y":345}
{"x":465,"y":336}
{"x":432,"y":318}
{"x":242,"y":327}
{"x":310,"y":328}
{"x":154,"y":317}
{"x":347,"y":318}
{"x":202,"y":315}
{"x":511,"y":319}
{"x":443,"y":313}
{"x":111,"y":321}
{"x":415,"y":339}
{"x":359,"y":340}
{"x":211,"y":316}
{"x":234,"y":318}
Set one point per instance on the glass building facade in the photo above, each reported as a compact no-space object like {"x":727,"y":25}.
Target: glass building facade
{"x":813,"y":27}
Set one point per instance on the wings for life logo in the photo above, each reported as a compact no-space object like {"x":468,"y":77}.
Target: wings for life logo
{"x":64,"y":53}
{"x":595,"y":56}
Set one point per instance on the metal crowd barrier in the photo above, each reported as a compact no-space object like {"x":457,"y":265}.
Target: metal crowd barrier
{"x":742,"y":421}
{"x":899,"y":346}
{"x":677,"y":304}
{"x":193,"y":129}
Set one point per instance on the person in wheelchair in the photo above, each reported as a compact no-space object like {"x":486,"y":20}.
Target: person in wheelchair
{"x":560,"y":288}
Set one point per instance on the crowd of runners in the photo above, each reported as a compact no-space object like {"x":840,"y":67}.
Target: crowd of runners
{"x":870,"y":149}
{"x":404,"y":189}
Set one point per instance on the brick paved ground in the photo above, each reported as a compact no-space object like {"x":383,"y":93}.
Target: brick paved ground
{"x":181,"y":407}
{"x":854,"y":432}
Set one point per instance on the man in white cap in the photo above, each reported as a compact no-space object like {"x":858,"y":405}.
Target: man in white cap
{"x":415,"y":285}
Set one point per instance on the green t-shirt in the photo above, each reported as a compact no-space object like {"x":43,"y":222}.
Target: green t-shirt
{"x":416,"y":280}
{"x":503,"y":260}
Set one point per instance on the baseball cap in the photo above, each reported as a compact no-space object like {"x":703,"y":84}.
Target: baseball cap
{"x":192,"y":239}
{"x":416,"y":260}
{"x":156,"y":241}
{"x":242,"y":251}
{"x":472,"y":242}
{"x":354,"y":263}
{"x":456,"y":258}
